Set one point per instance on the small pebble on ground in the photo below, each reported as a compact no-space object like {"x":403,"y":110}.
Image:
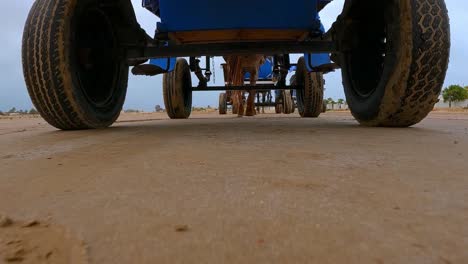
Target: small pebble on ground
{"x":181,"y":228}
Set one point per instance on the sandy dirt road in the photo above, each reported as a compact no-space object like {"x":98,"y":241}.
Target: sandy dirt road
{"x":270,"y":189}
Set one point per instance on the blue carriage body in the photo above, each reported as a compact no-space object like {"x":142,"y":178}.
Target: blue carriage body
{"x":212,"y":15}
{"x":190,"y":15}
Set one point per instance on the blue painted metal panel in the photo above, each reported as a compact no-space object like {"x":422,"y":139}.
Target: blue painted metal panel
{"x":265,"y":71}
{"x":153,"y":5}
{"x":190,"y":15}
{"x":166,"y":64}
{"x":316,"y":60}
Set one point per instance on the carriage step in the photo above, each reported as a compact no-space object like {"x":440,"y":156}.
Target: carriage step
{"x":147,"y":70}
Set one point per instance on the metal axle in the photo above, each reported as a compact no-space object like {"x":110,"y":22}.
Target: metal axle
{"x":246,"y":88}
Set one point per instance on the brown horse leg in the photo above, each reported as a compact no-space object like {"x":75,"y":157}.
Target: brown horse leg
{"x":251,"y":99}
{"x":263,"y":102}
{"x":251,"y":104}
{"x":258,"y":101}
{"x":240,"y":103}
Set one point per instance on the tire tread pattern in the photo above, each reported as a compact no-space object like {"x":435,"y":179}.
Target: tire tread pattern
{"x":430,"y":57}
{"x":222,"y":103}
{"x":310,"y":104}
{"x":174,"y":90}
{"x":46,"y":67}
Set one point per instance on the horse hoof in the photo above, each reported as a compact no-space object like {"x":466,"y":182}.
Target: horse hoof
{"x":250,"y":114}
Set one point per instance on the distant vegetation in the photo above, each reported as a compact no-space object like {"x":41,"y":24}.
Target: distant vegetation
{"x":203,"y":109}
{"x":340,"y":102}
{"x":132,"y":111}
{"x":455,"y":93}
{"x":14,"y":111}
{"x":451,"y":94}
{"x":158,"y":109}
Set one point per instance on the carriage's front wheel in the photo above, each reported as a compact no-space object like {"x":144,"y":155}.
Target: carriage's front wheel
{"x":177,"y":91}
{"x":222,"y":103}
{"x":310,"y":97}
{"x":288,"y":103}
{"x":278,"y":108}
{"x":72,"y":72}
{"x":395,"y":60}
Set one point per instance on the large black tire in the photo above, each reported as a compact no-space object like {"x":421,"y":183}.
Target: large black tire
{"x":324,"y":108}
{"x":310,"y":98}
{"x":395,"y":59}
{"x":222,"y":103}
{"x":72,"y":71}
{"x":177,"y":91}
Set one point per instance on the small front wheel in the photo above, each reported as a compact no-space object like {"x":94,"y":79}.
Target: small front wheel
{"x":278,"y":108}
{"x":177,"y":91}
{"x":222,"y":103}
{"x":310,"y":97}
{"x":288,"y":103}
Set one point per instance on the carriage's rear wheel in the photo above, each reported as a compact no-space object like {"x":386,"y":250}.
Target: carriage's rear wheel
{"x":396,"y":58}
{"x":288,"y":103}
{"x":74,"y":74}
{"x":222,"y":103}
{"x":310,"y":98}
{"x":177,"y":91}
{"x":278,"y":108}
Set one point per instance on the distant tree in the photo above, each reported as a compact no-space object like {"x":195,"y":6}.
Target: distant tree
{"x":208,"y":107}
{"x":33,"y":111}
{"x":454,"y":93}
{"x":1,"y":113}
{"x":158,"y":108}
{"x":340,"y":102}
{"x":12,"y":110}
{"x":332,"y":102}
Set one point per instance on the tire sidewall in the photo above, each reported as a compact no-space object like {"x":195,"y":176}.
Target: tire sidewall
{"x":312,"y":83}
{"x":177,"y":90}
{"x":222,"y":103}
{"x":372,"y":109}
{"x":94,"y":115}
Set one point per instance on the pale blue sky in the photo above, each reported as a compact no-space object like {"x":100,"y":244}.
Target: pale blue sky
{"x":145,"y":92}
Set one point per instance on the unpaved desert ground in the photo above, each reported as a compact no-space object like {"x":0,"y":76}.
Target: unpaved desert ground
{"x":270,"y":189}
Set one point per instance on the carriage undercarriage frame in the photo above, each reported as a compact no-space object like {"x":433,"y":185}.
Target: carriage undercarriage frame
{"x":77,"y":54}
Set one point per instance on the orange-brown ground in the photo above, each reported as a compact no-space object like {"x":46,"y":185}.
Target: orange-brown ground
{"x":268,"y":189}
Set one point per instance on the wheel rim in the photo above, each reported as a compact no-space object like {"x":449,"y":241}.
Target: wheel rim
{"x":98,"y":67}
{"x":372,"y":47}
